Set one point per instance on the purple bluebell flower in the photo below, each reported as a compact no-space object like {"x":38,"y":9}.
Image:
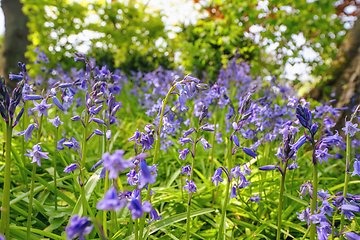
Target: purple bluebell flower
{"x":98,"y":132}
{"x":71,"y":167}
{"x":188,"y":132}
{"x":233,"y":192}
{"x":56,"y":121}
{"x":132,"y":177}
{"x":37,"y":154}
{"x":249,"y":152}
{"x":256,"y":198}
{"x":322,"y":233}
{"x":27,"y":132}
{"x":136,"y":136}
{"x":293,"y":166}
{"x":356,"y":168}
{"x":236,"y":171}
{"x":41,"y":107}
{"x":146,"y":141}
{"x":60,"y":143}
{"x":18,"y":117}
{"x":268,"y":168}
{"x":217,"y":177}
{"x":95,"y":110}
{"x":322,"y":155}
{"x":32,"y":97}
{"x":306,"y":188}
{"x":327,"y":209}
{"x":183,"y":153}
{"x":332,"y":140}
{"x":154,"y":216}
{"x":115,"y":163}
{"x":299,"y":143}
{"x":78,"y":227}
{"x":350,"y":128}
{"x":304,"y":216}
{"x":111,"y":201}
{"x":16,"y":77}
{"x":323,"y":194}
{"x":247,"y":170}
{"x":145,"y":175}
{"x":108,"y":134}
{"x":58,"y":103}
{"x":184,"y":140}
{"x":350,"y":207}
{"x":137,"y":210}
{"x":243,"y":182}
{"x":208,"y":128}
{"x":96,"y":165}
{"x":75,"y":118}
{"x":191,"y":186}
{"x":236,"y":140}
{"x":351,"y":236}
{"x":97,"y":120}
{"x":186,"y":170}
{"x":304,"y":115}
{"x":205,"y":143}
{"x":2,"y":237}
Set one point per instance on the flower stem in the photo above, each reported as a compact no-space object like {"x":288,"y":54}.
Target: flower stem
{"x":31,"y":196}
{"x":82,"y":167}
{"x":222,"y":227}
{"x":24,"y":124}
{"x":212,"y":149}
{"x":5,"y":213}
{"x":137,"y":230}
{"x":157,"y":146}
{"x":105,"y":212}
{"x":314,"y":199}
{"x":55,"y":155}
{"x":282,"y":185}
{"x":333,"y":225}
{"x":190,"y":194}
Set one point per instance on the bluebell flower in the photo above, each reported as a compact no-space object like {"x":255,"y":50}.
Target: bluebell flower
{"x":75,"y":118}
{"x":322,"y":155}
{"x":37,"y":154}
{"x":27,"y":132}
{"x":233,"y":192}
{"x":16,"y":77}
{"x":247,"y":170}
{"x":351,"y":236}
{"x":41,"y":107}
{"x":208,"y":128}
{"x":327,"y":208}
{"x":32,"y":97}
{"x":356,"y":166}
{"x":186,"y":170}
{"x":304,"y":216}
{"x":304,"y":115}
{"x":243,"y":182}
{"x":249,"y":152}
{"x":188,"y":132}
{"x":183,"y":153}
{"x":115,"y":163}
{"x":56,"y":121}
{"x":323,"y":194}
{"x":98,"y":121}
{"x":293,"y":166}
{"x":322,"y":233}
{"x":191,"y":186}
{"x":108,"y":134}
{"x":236,"y":140}
{"x":205,"y":143}
{"x":132,"y":177}
{"x":317,"y":218}
{"x":299,"y":143}
{"x":111,"y":201}
{"x":98,"y":132}
{"x":217,"y":177}
{"x":58,"y":103}
{"x":137,"y":210}
{"x":145,"y":175}
{"x":60,"y":143}
{"x":350,"y":128}
{"x":78,"y":227}
{"x":332,"y":140}
{"x":71,"y":167}
{"x":236,"y":171}
{"x":256,"y":199}
{"x":306,"y":188}
{"x":268,"y":168}
{"x":184,"y":140}
{"x":154,"y":216}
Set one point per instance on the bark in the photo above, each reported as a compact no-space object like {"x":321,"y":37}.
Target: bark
{"x":15,"y":40}
{"x":343,"y":78}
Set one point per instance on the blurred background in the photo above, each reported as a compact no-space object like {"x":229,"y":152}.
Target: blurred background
{"x":313,"y":44}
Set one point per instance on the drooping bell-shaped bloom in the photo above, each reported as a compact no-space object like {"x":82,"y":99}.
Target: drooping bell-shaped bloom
{"x":233,"y":192}
{"x":191,"y":187}
{"x":350,"y":128}
{"x":205,"y":143}
{"x":132,"y":177}
{"x":56,"y":121}
{"x":78,"y":227}
{"x":71,"y":167}
{"x":137,"y":210}
{"x":256,"y":199}
{"x":351,"y":236}
{"x":356,"y":168}
{"x":115,"y":163}
{"x":111,"y":201}
{"x":268,"y":168}
{"x":249,"y":152}
{"x":217,"y":177}
{"x":145,"y":175}
{"x":27,"y":132}
{"x":186,"y":170}
{"x":322,"y":155}
{"x":154,"y":216}
{"x":183,"y":153}
{"x":37,"y":154}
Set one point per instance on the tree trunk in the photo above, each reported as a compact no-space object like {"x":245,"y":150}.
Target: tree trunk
{"x":343,"y":78}
{"x":15,"y":40}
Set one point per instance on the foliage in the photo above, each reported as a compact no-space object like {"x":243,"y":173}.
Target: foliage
{"x":122,"y":34}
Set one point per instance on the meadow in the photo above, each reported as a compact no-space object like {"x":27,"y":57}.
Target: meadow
{"x":94,"y":154}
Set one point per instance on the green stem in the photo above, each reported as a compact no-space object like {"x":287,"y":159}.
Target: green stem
{"x":157,"y":146}
{"x":314,"y":199}
{"x":5,"y":213}
{"x":55,"y":155}
{"x":105,"y":212}
{"x":24,"y":123}
{"x":31,"y":196}
{"x":82,"y":167}
{"x":333,"y":226}
{"x":190,"y":194}
{"x":222,"y":229}
{"x":212,"y":149}
{"x":282,"y":185}
{"x":137,"y":230}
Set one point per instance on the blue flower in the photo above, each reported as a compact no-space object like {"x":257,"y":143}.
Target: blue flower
{"x":304,"y":115}
{"x":190,"y":186}
{"x":183,"y":153}
{"x":236,"y":140}
{"x":327,"y":208}
{"x":350,"y":128}
{"x":217,"y":177}
{"x":256,"y":198}
{"x":188,"y":132}
{"x":27,"y":132}
{"x":71,"y":167}
{"x":41,"y":107}
{"x":115,"y":163}
{"x":249,"y":152}
{"x":184,"y":140}
{"x":299,"y":143}
{"x":356,"y":168}
{"x":145,"y":175}
{"x":58,"y":103}
{"x":37,"y":154}
{"x":60,"y":143}
{"x":154,"y":216}
{"x":233,"y":192}
{"x":304,"y":216}
{"x":205,"y":143}
{"x":236,"y":171}
{"x":78,"y":227}
{"x":132,"y":177}
{"x":268,"y":168}
{"x":111,"y":201}
{"x":186,"y":170}
{"x":322,"y":155}
{"x":56,"y":121}
{"x":352,"y":236}
{"x":32,"y":97}
{"x":137,"y":210}
{"x":323,"y":194}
